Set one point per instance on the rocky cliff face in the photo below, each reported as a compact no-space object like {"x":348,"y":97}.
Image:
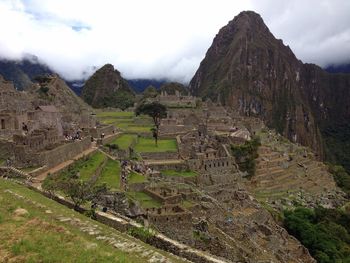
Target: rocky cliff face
{"x":106,"y":88}
{"x":248,"y":69}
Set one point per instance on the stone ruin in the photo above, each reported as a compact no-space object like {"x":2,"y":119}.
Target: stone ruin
{"x":169,"y":216}
{"x":175,"y":101}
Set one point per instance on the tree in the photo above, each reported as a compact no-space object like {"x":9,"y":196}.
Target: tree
{"x":157,"y":112}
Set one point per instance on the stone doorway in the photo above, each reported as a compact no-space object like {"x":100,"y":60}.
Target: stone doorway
{"x":3,"y":124}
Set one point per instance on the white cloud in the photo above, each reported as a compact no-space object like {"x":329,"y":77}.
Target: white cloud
{"x":157,"y":38}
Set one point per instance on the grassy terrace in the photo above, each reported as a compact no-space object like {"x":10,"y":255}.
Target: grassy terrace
{"x":38,"y":235}
{"x":124,"y":141}
{"x":136,"y":178}
{"x":145,"y":200}
{"x":148,"y":145}
{"x":179,"y":173}
{"x":125,"y":121}
{"x":87,"y":168}
{"x":110,"y":175}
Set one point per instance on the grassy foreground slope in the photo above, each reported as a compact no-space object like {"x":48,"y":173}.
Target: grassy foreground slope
{"x":34,"y":228}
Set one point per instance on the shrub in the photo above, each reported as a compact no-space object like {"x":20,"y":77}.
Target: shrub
{"x":246,"y":154}
{"x":325,"y":232}
{"x":143,"y":233}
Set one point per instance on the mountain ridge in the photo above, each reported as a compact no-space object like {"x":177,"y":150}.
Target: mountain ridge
{"x":248,"y":69}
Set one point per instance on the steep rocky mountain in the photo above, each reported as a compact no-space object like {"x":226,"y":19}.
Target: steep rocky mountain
{"x":250,"y":70}
{"x":107,"y":88}
{"x":23,"y":72}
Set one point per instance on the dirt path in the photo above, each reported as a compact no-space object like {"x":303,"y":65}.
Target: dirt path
{"x":41,"y":177}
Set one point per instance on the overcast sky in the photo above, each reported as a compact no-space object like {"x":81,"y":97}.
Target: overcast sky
{"x":161,"y":38}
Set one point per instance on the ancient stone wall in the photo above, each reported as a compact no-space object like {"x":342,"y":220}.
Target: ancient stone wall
{"x":169,"y":216}
{"x":164,"y":195}
{"x":6,"y":149}
{"x":160,"y":155}
{"x":96,"y":132}
{"x":65,"y":152}
{"x":175,"y":129}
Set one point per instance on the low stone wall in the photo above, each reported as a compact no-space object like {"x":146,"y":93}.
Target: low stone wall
{"x":172,"y":199}
{"x":6,"y":149}
{"x":137,"y":187}
{"x":170,"y":166}
{"x":175,"y":129}
{"x":160,"y":155}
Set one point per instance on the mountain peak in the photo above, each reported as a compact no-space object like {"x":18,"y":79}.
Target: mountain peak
{"x":107,"y":88}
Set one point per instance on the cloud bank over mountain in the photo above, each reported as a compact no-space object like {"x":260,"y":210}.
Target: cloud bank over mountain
{"x":160,"y":39}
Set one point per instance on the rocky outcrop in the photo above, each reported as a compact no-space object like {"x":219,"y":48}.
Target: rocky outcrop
{"x":250,"y":70}
{"x":107,"y":88}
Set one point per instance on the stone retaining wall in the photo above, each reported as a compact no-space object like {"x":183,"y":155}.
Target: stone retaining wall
{"x":159,"y":155}
{"x":64,"y":152}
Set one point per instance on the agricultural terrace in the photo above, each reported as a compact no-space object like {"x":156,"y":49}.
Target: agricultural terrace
{"x":148,"y":145}
{"x":87,"y":167}
{"x":124,"y":141}
{"x":126,"y":121}
{"x":179,"y":173}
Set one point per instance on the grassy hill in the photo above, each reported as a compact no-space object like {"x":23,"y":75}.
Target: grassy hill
{"x":34,"y":228}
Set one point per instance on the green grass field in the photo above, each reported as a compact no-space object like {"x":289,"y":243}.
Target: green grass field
{"x":88,"y":168}
{"x":145,"y":200}
{"x":115,"y":114}
{"x":179,"y":173}
{"x":136,"y":178}
{"x":148,"y":145}
{"x":38,"y":234}
{"x":125,"y":121}
{"x":124,"y":141}
{"x":110,"y":175}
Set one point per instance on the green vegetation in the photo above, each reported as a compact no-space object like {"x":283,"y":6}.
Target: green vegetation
{"x":115,"y":114}
{"x":336,"y":139}
{"x":39,"y":237}
{"x":126,"y":121}
{"x":110,"y":175}
{"x":164,"y":145}
{"x":246,"y":154}
{"x":156,"y":111}
{"x":144,"y":199}
{"x":136,"y":178}
{"x":325,"y":232}
{"x":124,"y":141}
{"x":88,"y":168}
{"x":145,"y":234}
{"x":179,"y":173}
{"x":341,"y":177}
{"x":121,"y":99}
{"x":150,"y":92}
